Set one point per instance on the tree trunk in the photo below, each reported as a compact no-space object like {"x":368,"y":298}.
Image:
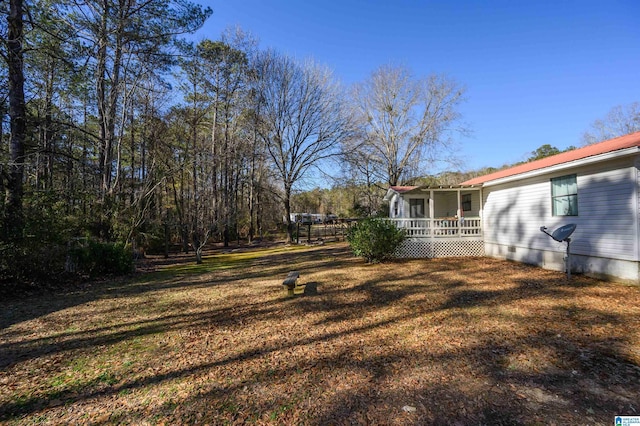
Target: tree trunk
{"x":197,"y":245}
{"x":101,"y":95}
{"x":287,"y":212}
{"x":14,"y":221}
{"x":108,"y":89}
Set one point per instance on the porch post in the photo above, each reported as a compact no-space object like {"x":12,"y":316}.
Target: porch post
{"x":431,"y":214}
{"x":460,"y":214}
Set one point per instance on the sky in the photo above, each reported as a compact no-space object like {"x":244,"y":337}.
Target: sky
{"x":535,"y":72}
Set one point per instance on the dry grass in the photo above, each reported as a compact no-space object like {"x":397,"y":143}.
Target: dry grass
{"x":453,"y":341}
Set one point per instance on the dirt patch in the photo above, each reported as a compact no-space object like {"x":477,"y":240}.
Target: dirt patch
{"x":456,"y":341}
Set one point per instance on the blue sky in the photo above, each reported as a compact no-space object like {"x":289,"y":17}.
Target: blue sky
{"x":536,"y":72}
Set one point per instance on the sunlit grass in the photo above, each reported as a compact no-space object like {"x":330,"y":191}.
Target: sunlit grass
{"x":216,"y":262}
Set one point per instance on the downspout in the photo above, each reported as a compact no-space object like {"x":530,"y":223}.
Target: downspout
{"x":481,"y":213}
{"x":636,"y":193}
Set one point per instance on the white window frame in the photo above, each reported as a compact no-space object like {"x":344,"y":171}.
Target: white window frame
{"x":564,"y":195}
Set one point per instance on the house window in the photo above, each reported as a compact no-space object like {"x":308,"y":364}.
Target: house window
{"x":466,"y":202}
{"x":564,"y":196}
{"x":416,"y":207}
{"x":395,"y":209}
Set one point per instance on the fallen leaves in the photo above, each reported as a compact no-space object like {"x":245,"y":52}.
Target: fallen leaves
{"x":420,"y":341}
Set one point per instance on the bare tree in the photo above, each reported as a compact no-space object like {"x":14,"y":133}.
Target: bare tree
{"x":405,"y":123}
{"x":621,"y":120}
{"x":302,"y":121}
{"x":362,"y":173}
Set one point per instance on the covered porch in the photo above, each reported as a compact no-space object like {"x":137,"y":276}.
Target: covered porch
{"x":440,"y":222}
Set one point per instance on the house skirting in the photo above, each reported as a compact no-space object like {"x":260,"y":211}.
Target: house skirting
{"x":599,"y":267}
{"x":416,"y":248}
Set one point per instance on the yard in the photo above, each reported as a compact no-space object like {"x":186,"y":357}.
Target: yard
{"x":444,"y":341}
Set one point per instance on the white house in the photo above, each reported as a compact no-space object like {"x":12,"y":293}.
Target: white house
{"x":596,"y":187}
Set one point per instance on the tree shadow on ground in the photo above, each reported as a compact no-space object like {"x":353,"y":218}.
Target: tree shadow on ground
{"x":443,"y":337}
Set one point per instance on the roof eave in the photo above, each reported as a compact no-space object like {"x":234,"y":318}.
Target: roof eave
{"x":571,"y":164}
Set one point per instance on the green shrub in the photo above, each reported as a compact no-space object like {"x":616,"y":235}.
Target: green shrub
{"x":31,"y":262}
{"x":96,"y":258}
{"x":375,"y":239}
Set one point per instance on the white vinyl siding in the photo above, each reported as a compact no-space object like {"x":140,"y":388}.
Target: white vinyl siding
{"x":637,"y":195}
{"x":446,"y":204}
{"x":514,"y":223}
{"x":607,"y":202}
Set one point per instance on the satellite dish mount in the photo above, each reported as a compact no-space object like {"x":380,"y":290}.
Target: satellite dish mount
{"x":562,"y":234}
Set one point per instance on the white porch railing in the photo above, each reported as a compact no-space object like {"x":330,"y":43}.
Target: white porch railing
{"x":464,"y":228}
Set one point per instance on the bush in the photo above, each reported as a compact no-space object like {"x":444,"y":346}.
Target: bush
{"x":31,"y":262}
{"x":96,"y":258}
{"x":375,"y":239}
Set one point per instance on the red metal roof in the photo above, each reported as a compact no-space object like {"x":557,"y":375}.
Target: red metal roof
{"x":401,"y":189}
{"x":622,"y":142}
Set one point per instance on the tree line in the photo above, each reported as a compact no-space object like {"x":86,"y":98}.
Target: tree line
{"x":114,"y":128}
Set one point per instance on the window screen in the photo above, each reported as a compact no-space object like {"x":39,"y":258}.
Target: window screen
{"x":564,"y":196}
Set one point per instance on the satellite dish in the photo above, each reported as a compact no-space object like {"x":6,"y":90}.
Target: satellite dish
{"x":562,"y":234}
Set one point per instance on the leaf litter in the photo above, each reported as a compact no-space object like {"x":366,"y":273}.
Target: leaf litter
{"x":455,"y":340}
